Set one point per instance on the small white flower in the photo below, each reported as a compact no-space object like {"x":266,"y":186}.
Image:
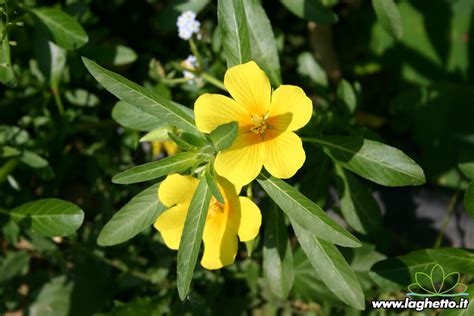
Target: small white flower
{"x":190,"y":63}
{"x":188,"y":25}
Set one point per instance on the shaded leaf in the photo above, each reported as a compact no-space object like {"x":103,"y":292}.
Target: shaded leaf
{"x":64,"y":30}
{"x":54,"y":298}
{"x":223,"y":136}
{"x":389,"y":17}
{"x":277,"y":254}
{"x":12,"y":265}
{"x":332,"y":267}
{"x":262,"y":41}
{"x":311,"y":10}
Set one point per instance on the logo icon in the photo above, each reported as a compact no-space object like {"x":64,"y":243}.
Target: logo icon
{"x":437,"y":283}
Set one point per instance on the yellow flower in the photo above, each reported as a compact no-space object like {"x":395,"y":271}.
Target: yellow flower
{"x":169,"y":146}
{"x":238,"y":216}
{"x":266,"y":124}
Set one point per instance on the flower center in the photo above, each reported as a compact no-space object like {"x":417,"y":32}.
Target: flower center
{"x":259,"y":123}
{"x":215,"y":207}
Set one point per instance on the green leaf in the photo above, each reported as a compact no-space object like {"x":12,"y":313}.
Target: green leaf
{"x":145,"y":100}
{"x":7,"y":76}
{"x":54,"y":298}
{"x":389,"y":17}
{"x":49,"y":217}
{"x":262,"y":41}
{"x":372,"y":160}
{"x":309,"y":67}
{"x":191,"y":238}
{"x":346,"y":96}
{"x":234,"y":31}
{"x":152,"y":170}
{"x":81,"y":97}
{"x":64,"y":30}
{"x":359,"y":207}
{"x":224,"y":135}
{"x":311,"y":10}
{"x":399,"y":272}
{"x":138,"y":214}
{"x":277,"y":254}
{"x":212,"y":183}
{"x":305,"y":212}
{"x":468,"y":169}
{"x":469,"y":199}
{"x":331,"y":266}
{"x":12,"y":265}
{"x":458,"y":260}
{"x":33,"y":160}
{"x":158,"y":134}
{"x":132,"y":117}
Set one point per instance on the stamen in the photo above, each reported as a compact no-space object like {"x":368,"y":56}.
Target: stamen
{"x":259,"y":123}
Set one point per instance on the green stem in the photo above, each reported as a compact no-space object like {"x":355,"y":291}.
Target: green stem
{"x":214,"y":81}
{"x":196,"y":53}
{"x":57,"y":98}
{"x":175,"y":80}
{"x":447,"y":218}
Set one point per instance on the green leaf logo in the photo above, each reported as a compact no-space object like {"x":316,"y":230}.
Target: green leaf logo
{"x":437,"y":283}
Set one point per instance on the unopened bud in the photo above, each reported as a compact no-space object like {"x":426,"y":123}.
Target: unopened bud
{"x":19,"y":23}
{"x":12,"y":43}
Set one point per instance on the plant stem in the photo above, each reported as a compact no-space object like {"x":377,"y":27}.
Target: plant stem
{"x":57,"y":99}
{"x":447,"y":218}
{"x":214,"y":81}
{"x":196,"y":53}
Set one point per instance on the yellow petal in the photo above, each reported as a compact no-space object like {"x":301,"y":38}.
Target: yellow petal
{"x":290,"y":109}
{"x":170,"y":224}
{"x":250,"y":219}
{"x":177,"y":189}
{"x":220,"y":242}
{"x":170,"y":147}
{"x":213,"y":110}
{"x":284,"y":154}
{"x":242,"y":162}
{"x":250,"y":87}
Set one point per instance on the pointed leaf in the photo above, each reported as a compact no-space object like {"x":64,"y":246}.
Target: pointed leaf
{"x":359,"y":207}
{"x":139,"y":213}
{"x":234,"y":31}
{"x":7,"y":76}
{"x":311,"y":10}
{"x":331,"y":266}
{"x":212,"y":183}
{"x":305,"y":212}
{"x":152,"y":170}
{"x":389,"y":17}
{"x":130,"y":116}
{"x":224,"y":135}
{"x":146,"y":100}
{"x":191,"y":238}
{"x":262,"y":41}
{"x":277,"y":254}
{"x":64,"y":30}
{"x":372,"y":160}
{"x":49,"y":217}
